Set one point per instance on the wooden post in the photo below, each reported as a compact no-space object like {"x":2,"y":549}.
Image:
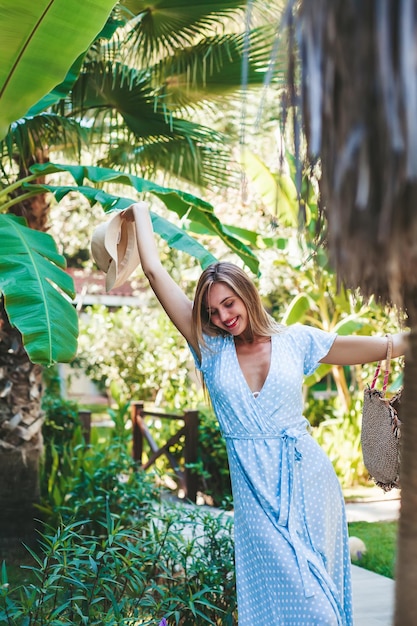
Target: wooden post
{"x":190,"y":453}
{"x":85,"y":421}
{"x":137,"y":431}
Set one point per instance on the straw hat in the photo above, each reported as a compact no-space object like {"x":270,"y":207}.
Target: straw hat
{"x":115,"y":250}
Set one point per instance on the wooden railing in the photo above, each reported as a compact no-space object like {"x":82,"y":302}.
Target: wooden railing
{"x":187,"y":477}
{"x":85,"y":421}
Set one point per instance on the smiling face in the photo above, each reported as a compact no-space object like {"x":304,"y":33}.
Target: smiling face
{"x":226,"y":301}
{"x":226,"y":309}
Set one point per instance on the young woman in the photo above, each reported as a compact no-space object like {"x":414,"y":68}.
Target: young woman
{"x":291,"y":542}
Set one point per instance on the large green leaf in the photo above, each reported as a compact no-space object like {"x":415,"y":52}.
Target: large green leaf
{"x":61,"y":91}
{"x":39,"y":43}
{"x":350,"y":324}
{"x":32,"y":279}
{"x":297,"y":309}
{"x":183,"y":204}
{"x":175,"y":237}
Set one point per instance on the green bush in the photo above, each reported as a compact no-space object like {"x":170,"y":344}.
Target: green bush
{"x":340,"y":438}
{"x":122,"y":555}
{"x":182,"y":570}
{"x":61,"y":433}
{"x":60,"y":421}
{"x":213,"y":466}
{"x":137,"y":353}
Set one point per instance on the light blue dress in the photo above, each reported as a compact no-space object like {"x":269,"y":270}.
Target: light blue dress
{"x":291,"y":542}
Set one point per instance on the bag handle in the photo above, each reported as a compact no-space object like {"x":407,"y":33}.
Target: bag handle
{"x":387,"y":366}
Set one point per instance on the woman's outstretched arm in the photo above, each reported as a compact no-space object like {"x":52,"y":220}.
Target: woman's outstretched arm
{"x":357,"y":349}
{"x":176,"y":304}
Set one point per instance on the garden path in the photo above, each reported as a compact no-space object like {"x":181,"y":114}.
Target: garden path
{"x":373,"y":595}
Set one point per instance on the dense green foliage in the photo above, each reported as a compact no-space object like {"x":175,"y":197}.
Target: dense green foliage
{"x":213,"y":466}
{"x":137,"y":354}
{"x":118,"y":552}
{"x":128,"y":103}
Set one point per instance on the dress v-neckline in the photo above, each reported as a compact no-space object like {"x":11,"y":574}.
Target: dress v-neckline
{"x":255,"y":394}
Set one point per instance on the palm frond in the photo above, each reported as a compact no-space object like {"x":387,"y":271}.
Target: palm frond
{"x":121,"y":110}
{"x":212,"y":68}
{"x":30,"y":135}
{"x":161,"y":27}
{"x":203,"y":164}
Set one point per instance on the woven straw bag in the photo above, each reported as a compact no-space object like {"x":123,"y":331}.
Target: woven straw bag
{"x":381,"y":431}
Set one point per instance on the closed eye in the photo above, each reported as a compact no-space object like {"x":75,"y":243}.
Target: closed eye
{"x":227,"y":305}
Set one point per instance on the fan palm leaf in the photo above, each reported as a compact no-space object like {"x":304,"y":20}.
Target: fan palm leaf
{"x":204,"y":163}
{"x":105,"y":90}
{"x":118,"y":104}
{"x":28,"y":135}
{"x":161,"y":27}
{"x":212,"y":68}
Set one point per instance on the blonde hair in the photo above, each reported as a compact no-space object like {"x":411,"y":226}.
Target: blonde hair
{"x":260,"y":323}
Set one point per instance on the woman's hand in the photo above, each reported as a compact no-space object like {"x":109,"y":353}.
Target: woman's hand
{"x":129,"y":213}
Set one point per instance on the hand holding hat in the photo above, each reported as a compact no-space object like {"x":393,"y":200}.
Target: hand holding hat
{"x":114,"y":248}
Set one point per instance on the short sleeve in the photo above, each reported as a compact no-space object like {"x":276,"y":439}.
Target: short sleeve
{"x":195,"y":357}
{"x":212,"y":345}
{"x":316,"y":343}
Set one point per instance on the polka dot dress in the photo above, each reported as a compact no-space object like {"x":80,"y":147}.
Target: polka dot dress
{"x":291,"y":542}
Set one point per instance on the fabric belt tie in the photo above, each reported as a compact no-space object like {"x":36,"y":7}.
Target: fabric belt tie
{"x":287,"y":517}
{"x":285,"y":522}
{"x":290,"y":456}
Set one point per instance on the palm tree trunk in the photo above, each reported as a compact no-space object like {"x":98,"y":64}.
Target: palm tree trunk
{"x":406,"y":577}
{"x":20,"y":435}
{"x":21,"y":388}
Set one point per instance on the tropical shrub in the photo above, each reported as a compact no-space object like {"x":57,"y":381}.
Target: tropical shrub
{"x":340,"y":438}
{"x":213,"y":465}
{"x":137,"y":354}
{"x":121,"y":554}
{"x":60,"y":421}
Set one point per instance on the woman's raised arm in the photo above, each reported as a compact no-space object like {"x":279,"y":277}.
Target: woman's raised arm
{"x":176,"y":304}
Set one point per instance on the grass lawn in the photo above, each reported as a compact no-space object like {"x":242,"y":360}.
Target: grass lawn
{"x":380,"y":539}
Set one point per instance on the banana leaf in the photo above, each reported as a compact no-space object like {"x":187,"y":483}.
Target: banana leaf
{"x":297,"y":309}
{"x":185,"y":205}
{"x":36,"y":288}
{"x":39,"y":43}
{"x":174,"y":236}
{"x":33,"y":281}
